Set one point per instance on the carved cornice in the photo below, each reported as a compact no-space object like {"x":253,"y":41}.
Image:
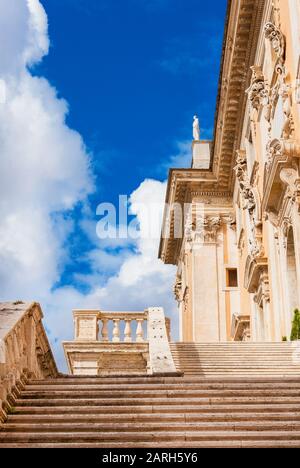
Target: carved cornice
{"x":183,"y":188}
{"x":253,"y":270}
{"x":281,"y":155}
{"x":240,"y":327}
{"x":242,"y":32}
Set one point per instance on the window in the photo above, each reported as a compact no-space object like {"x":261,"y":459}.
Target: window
{"x":231,"y":278}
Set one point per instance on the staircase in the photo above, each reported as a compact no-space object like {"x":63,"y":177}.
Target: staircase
{"x":237,"y":359}
{"x":155,"y":412}
{"x":233,"y":395}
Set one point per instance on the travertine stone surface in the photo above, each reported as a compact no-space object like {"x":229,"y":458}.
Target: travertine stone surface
{"x":24,"y":348}
{"x":161,"y":360}
{"x":201,"y":154}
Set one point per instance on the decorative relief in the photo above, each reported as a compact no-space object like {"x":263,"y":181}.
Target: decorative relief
{"x":274,"y":148}
{"x":207,"y":228}
{"x":263,"y":290}
{"x":275,"y":36}
{"x":178,"y":288}
{"x":258,"y":92}
{"x":244,"y":183}
{"x":247,"y":191}
{"x":285,"y":91}
{"x":283,"y":149}
{"x":203,"y":229}
{"x":230,"y":220}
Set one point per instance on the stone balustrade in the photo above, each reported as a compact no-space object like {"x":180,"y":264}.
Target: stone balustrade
{"x":93,"y":325}
{"x":107,"y":343}
{"x":24,"y":350}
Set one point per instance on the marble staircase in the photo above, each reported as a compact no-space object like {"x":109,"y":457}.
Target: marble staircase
{"x":233,"y":395}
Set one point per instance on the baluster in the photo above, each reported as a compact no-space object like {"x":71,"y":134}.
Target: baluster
{"x":104,"y":331}
{"x":116,"y":331}
{"x":139,"y":331}
{"x":127,"y":331}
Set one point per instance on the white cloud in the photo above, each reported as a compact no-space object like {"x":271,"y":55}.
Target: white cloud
{"x":44,"y":165}
{"x":44,"y":173}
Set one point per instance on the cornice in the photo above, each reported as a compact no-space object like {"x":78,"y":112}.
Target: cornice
{"x":240,"y":43}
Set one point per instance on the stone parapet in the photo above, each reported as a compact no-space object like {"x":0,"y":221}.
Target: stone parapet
{"x":24,"y":350}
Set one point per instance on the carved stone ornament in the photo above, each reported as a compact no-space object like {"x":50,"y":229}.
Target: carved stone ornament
{"x":274,"y":148}
{"x":285,"y":228}
{"x":242,"y":176}
{"x":206,"y":228}
{"x":263,"y":289}
{"x":280,"y":148}
{"x":290,"y":177}
{"x":258,"y":92}
{"x":285,"y":91}
{"x":230,"y":220}
{"x":275,"y":36}
{"x":256,"y":248}
{"x":178,"y":289}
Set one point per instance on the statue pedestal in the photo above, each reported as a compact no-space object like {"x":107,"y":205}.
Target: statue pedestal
{"x":201,"y":154}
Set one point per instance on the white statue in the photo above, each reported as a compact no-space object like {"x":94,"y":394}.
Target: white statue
{"x":196,"y":128}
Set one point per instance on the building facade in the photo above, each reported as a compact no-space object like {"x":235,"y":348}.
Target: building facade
{"x":238,"y":257}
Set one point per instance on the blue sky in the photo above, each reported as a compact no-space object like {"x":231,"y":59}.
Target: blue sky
{"x":99,"y":100}
{"x":134,"y":72}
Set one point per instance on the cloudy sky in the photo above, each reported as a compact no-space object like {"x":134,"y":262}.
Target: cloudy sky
{"x":96,"y":100}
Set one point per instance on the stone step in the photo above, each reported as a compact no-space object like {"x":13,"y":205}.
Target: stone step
{"x":148,"y":436}
{"x":169,"y":386}
{"x":133,"y":426}
{"x":155,"y":444}
{"x":158,"y":394}
{"x":149,"y":409}
{"x":153,"y":417}
{"x":78,"y":380}
{"x":116,"y":402}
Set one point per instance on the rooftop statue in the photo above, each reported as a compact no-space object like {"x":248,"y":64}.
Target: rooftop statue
{"x":196,"y":128}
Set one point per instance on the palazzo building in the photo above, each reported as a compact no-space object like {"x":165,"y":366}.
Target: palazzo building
{"x":238,"y":259}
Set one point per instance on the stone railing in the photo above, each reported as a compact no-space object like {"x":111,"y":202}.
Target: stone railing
{"x":93,"y":325}
{"x":120,"y":343}
{"x":24,"y":350}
